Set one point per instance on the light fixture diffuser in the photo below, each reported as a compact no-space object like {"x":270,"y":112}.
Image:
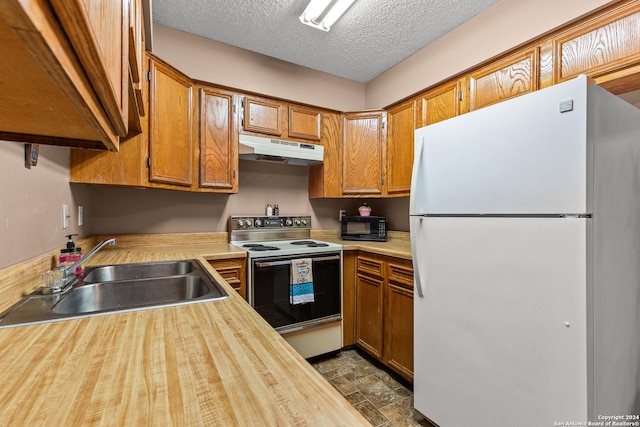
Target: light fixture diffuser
{"x":322,"y":14}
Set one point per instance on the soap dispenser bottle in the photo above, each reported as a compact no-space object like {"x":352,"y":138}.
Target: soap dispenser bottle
{"x":71,"y":254}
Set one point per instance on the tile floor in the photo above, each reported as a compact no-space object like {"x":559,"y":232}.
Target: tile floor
{"x":383,"y":399}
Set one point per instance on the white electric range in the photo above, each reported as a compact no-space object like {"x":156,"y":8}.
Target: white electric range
{"x":273,"y":245}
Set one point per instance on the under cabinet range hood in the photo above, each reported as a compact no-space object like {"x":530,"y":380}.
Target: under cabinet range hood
{"x":278,"y":150}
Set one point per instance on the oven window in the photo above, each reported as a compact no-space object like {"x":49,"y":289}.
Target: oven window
{"x":271,"y":290}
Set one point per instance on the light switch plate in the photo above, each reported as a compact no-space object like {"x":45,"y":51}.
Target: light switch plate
{"x":65,"y":216}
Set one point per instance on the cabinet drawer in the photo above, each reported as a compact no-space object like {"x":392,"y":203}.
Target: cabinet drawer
{"x":231,"y":275}
{"x":371,"y":267}
{"x":233,"y":271}
{"x":401,"y":275}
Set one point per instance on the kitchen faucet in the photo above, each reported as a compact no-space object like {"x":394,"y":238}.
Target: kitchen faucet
{"x":68,"y":273}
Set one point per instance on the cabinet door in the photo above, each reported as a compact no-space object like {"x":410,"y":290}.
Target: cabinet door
{"x":398,"y":339}
{"x":510,"y":77}
{"x":99,"y":33}
{"x":401,"y":125}
{"x":304,"y":123}
{"x":362,"y":169}
{"x":325,"y":179}
{"x":127,"y":167}
{"x":262,"y":116}
{"x":170,"y":128}
{"x":438,"y":104}
{"x":349,"y":262}
{"x":136,"y":53}
{"x":604,"y":48}
{"x":234,"y":272}
{"x":218,"y":146}
{"x":369,"y":314}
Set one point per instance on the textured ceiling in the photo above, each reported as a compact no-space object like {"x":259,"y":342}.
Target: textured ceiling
{"x":373,"y":36}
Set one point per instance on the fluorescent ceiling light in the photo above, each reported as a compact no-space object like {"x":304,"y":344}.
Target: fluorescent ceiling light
{"x":322,"y":14}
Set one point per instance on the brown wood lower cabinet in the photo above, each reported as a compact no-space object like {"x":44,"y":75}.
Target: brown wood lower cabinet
{"x":234,"y":271}
{"x":384,"y":310}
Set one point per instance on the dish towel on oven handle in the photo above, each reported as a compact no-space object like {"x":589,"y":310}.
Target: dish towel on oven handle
{"x":301,"y":289}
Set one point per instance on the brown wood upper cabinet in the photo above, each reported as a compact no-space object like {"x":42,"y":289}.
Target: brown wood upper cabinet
{"x":280,"y":119}
{"x":605,"y":47}
{"x":171,"y":147}
{"x":400,"y":129}
{"x":63,"y":54}
{"x":262,"y":116}
{"x":512,"y":76}
{"x":166,"y":154}
{"x":99,"y":32}
{"x":218,"y":142}
{"x":304,"y":123}
{"x":441,"y":103}
{"x":363,"y":154}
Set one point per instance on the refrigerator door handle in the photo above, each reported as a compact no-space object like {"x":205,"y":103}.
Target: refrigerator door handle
{"x":417,"y":166}
{"x":416,"y":264}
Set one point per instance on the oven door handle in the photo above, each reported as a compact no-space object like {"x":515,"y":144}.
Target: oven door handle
{"x":288,"y":261}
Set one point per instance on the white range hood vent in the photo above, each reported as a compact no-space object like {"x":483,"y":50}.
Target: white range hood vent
{"x":278,"y":150}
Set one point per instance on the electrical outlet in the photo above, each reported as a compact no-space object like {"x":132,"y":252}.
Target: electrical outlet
{"x":80,"y":215}
{"x":342,"y":213}
{"x":65,"y":216}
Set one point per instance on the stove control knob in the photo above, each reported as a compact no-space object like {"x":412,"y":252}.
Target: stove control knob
{"x":297,"y":222}
{"x":289,"y":222}
{"x":240,"y":223}
{"x":258,"y":222}
{"x":304,"y":222}
{"x":249,"y":222}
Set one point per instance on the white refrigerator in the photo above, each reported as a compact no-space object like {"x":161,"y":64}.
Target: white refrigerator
{"x":525,"y":228}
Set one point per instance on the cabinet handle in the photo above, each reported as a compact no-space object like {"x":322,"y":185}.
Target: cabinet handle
{"x":288,"y":261}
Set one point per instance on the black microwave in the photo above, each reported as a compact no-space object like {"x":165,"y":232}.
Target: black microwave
{"x":369,"y":228}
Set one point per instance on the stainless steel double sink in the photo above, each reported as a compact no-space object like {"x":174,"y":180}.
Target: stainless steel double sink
{"x":117,"y":288}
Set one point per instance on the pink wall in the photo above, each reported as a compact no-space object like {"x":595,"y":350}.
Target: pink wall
{"x":219,"y":63}
{"x":124,"y":211}
{"x":31,"y":202}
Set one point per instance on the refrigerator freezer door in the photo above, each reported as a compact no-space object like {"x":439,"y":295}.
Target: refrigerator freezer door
{"x":522,"y":156}
{"x":500,"y":335}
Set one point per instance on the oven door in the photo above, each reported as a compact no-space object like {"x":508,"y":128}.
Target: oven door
{"x":270,"y":291}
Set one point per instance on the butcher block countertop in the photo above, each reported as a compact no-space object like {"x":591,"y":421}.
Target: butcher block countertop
{"x":202,"y":364}
{"x":398,"y":243}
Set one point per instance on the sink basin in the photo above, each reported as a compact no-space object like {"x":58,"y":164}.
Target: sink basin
{"x":116,"y":288}
{"x":110,"y":273}
{"x":131,"y":293}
